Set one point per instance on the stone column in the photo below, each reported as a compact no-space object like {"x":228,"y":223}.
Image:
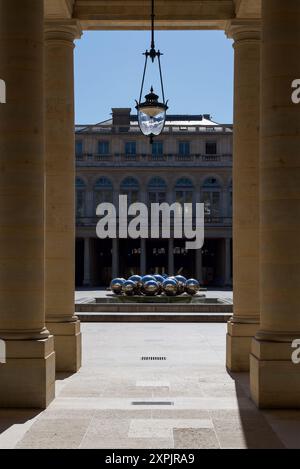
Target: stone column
{"x":143,"y":257}
{"x":60,"y":191}
{"x":171,"y":256}
{"x":199,"y":274}
{"x":275,"y":380}
{"x":28,"y":377}
{"x":245,"y":322}
{"x":87,"y":262}
{"x":115,"y":258}
{"x":90,"y":210}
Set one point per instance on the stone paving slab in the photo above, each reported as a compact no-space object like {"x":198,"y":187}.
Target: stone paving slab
{"x":98,"y":407}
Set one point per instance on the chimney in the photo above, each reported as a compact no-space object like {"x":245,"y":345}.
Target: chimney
{"x":121,"y":116}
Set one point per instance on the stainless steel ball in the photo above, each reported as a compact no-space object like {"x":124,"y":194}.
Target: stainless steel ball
{"x":170,"y":287}
{"x":137,"y":279}
{"x":116,"y":285}
{"x":151,"y":288}
{"x":181,"y":280}
{"x":129,"y":287}
{"x":159,"y":278}
{"x":146,"y":278}
{"x":192,"y":286}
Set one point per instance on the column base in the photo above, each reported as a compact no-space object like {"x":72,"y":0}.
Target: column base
{"x":238,"y":345}
{"x":28,"y":376}
{"x":274,"y":378}
{"x":67,"y":343}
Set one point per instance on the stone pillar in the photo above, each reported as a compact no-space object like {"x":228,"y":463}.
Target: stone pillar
{"x":28,"y":377}
{"x":171,"y":256}
{"x":87,"y":262}
{"x":227,"y":262}
{"x":60,"y":194}
{"x":245,"y":321}
{"x":143,"y":257}
{"x":90,"y":210}
{"x":115,"y":258}
{"x":275,"y":380}
{"x":199,"y":274}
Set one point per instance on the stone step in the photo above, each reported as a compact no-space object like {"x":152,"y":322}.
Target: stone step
{"x":183,"y":308}
{"x":153,"y":317}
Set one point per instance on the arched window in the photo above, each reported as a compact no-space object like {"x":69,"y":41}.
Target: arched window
{"x":211,"y":197}
{"x":157,"y":190}
{"x":130,"y":187}
{"x":80,"y":197}
{"x":103,"y":191}
{"x":184,"y":190}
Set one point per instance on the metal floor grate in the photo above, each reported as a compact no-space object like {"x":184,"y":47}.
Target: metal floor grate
{"x":154,"y":358}
{"x":152,"y":403}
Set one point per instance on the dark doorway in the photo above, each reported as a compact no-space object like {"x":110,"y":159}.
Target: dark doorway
{"x":157,"y":256}
{"x":129,"y":257}
{"x":212,"y":262}
{"x":79,"y":262}
{"x":101,"y":262}
{"x":184,"y":260}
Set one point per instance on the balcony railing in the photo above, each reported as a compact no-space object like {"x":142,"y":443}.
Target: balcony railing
{"x":168,"y":129}
{"x":212,"y":221}
{"x":166,"y":159}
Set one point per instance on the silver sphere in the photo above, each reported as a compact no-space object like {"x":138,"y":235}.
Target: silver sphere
{"x":181,"y":280}
{"x":137,"y":279}
{"x":160,"y":280}
{"x":192,"y":286}
{"x":151,"y":288}
{"x":170,"y":287}
{"x":116,"y":285}
{"x":129,"y":287}
{"x":146,"y":278}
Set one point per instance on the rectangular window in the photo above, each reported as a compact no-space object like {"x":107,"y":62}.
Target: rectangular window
{"x":184,"y":148}
{"x":211,"y":148}
{"x":130,"y":148}
{"x":79,"y":148}
{"x":103,"y":147}
{"x":157,"y":148}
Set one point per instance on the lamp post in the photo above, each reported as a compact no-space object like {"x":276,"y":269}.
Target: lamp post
{"x":152,"y":112}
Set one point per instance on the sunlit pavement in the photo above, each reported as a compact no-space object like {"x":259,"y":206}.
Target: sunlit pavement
{"x":184,"y":399}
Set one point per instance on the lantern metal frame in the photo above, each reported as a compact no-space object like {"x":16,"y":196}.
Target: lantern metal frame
{"x":151,"y":99}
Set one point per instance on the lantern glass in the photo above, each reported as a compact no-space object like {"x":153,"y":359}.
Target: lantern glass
{"x":152,"y":120}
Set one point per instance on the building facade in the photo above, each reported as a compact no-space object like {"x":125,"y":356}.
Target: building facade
{"x":190,"y":162}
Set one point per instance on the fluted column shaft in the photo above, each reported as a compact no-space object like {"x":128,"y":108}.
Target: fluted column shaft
{"x":245,"y":321}
{"x":60,"y":193}
{"x":27,"y":379}
{"x":275,"y":380}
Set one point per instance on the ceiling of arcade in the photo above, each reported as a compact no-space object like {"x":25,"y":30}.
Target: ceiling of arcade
{"x":170,"y":14}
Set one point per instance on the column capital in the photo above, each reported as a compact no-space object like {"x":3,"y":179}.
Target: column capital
{"x":62,"y":30}
{"x":244,"y":30}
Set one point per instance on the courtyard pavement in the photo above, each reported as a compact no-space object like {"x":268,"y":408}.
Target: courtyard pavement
{"x":182,"y":398}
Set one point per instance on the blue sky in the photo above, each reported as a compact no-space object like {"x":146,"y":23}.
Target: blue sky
{"x":197,"y":71}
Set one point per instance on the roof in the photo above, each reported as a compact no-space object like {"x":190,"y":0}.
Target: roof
{"x":176,"y":120}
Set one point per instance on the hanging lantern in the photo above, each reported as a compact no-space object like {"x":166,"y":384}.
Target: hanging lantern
{"x":152,"y":112}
